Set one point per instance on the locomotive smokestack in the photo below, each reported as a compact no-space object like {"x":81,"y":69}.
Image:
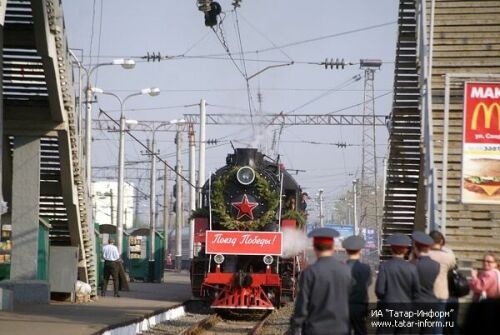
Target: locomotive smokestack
{"x":245,"y":156}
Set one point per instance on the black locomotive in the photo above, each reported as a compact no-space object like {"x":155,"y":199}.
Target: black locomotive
{"x":248,"y":203}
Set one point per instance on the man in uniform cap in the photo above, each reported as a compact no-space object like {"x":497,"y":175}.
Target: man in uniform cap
{"x":361,"y":273}
{"x":397,"y":285}
{"x":322,"y":305}
{"x":427,"y":269}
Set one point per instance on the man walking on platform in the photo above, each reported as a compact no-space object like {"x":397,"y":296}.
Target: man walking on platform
{"x":322,"y":306}
{"x":111,"y":258}
{"x":397,"y":280}
{"x":397,"y":286}
{"x":362,"y":275}
{"x":447,"y":261}
{"x":427,"y":269}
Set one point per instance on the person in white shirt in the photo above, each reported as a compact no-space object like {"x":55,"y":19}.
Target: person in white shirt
{"x":111,"y":257}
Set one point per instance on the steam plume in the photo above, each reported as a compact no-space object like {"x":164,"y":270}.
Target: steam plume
{"x":294,"y":242}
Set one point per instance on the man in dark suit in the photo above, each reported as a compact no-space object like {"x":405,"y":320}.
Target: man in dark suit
{"x":427,"y":269}
{"x":362,"y":275}
{"x":322,"y":305}
{"x":397,"y":285}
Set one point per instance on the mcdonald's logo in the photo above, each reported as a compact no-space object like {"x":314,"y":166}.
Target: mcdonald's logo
{"x":488,"y":114}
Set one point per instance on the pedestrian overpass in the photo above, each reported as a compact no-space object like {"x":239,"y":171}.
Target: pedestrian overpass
{"x":42,"y":166}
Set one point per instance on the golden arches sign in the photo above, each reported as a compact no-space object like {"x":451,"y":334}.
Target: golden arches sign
{"x":488,"y":114}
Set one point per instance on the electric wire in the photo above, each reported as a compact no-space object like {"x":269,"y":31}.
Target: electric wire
{"x":267,"y":38}
{"x":99,"y":42}
{"x":314,"y":39}
{"x":92,"y":33}
{"x":147,"y":149}
{"x":346,"y":83}
{"x":195,"y":44}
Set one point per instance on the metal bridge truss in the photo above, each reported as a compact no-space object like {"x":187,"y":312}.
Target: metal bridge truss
{"x":290,"y":119}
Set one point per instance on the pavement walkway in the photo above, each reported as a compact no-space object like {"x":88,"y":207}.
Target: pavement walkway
{"x":62,"y":318}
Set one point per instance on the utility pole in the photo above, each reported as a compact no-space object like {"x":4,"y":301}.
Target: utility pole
{"x":368,"y":192}
{"x":152,"y":210}
{"x":178,"y":203}
{"x":321,"y":214}
{"x":166,"y":207}
{"x":355,"y":207}
{"x":111,"y":206}
{"x":136,"y":208}
{"x":201,"y":163}
{"x":192,"y":188}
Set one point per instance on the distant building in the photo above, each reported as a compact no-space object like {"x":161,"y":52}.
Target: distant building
{"x":105,"y":201}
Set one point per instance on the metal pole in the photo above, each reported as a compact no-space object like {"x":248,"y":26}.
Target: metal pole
{"x":355,"y":209}
{"x":136,"y":209}
{"x":166,"y":205}
{"x":201,"y":163}
{"x":121,"y":170}
{"x":444,"y":181}
{"x":349,"y":219}
{"x":88,"y":136}
{"x":281,"y":200}
{"x":192,"y":189}
{"x":152,"y":209}
{"x":178,"y":203}
{"x":321,"y":215}
{"x":111,"y":205}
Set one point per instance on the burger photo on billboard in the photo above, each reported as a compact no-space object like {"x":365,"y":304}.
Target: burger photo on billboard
{"x":482,"y":176}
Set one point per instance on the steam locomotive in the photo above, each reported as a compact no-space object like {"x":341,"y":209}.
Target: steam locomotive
{"x":238,"y":235}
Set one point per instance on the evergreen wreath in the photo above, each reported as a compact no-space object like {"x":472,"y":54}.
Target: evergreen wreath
{"x":219,"y":209}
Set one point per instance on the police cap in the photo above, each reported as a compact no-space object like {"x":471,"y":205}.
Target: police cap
{"x":399,"y":240}
{"x":422,"y":238}
{"x":323,"y":235}
{"x":353,"y":243}
{"x":324,"y":232}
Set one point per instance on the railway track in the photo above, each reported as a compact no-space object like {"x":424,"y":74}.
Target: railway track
{"x":200,"y":320}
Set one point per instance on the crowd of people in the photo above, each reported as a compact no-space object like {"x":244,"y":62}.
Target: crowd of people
{"x":333,"y":295}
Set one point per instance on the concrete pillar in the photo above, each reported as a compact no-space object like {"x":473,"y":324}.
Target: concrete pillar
{"x":25,"y":208}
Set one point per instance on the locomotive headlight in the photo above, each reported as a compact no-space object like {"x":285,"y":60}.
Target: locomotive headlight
{"x":219,"y":258}
{"x":245,"y":175}
{"x":268,"y":259}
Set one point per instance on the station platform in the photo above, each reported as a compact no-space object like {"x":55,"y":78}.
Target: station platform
{"x":63,"y":318}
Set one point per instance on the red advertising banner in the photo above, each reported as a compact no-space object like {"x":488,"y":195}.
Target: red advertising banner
{"x":481,"y":144}
{"x":244,"y":243}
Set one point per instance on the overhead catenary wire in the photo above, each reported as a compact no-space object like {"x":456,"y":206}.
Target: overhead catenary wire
{"x":346,"y":83}
{"x":286,"y":45}
{"x":92,"y":33}
{"x":195,"y":44}
{"x":99,"y":41}
{"x":267,"y":38}
{"x":147,"y":149}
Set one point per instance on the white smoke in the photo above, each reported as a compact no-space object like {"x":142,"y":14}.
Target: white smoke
{"x":260,"y":136}
{"x":294,"y":242}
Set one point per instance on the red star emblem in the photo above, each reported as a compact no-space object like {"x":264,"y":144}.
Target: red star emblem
{"x":244,"y":207}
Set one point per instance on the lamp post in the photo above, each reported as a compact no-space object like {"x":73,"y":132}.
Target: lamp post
{"x":152,"y":91}
{"x":152,"y":195}
{"x":126,"y":64}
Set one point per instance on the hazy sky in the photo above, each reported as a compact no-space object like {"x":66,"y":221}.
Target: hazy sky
{"x":107,"y":29}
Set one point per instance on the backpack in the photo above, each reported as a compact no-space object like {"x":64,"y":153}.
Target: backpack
{"x":458,"y":285}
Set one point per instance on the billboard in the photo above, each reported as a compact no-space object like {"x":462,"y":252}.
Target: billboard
{"x":480,"y":183}
{"x":244,"y":242}
{"x":370,"y":236}
{"x":344,"y":230}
